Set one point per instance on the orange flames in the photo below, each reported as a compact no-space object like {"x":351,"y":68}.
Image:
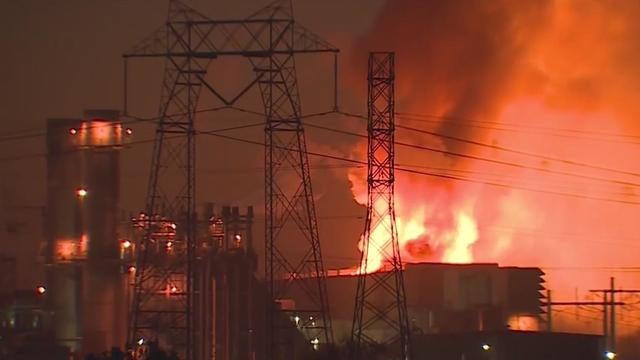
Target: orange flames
{"x":552,"y":78}
{"x":424,"y":233}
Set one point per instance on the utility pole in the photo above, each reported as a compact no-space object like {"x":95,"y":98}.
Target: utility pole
{"x":549,"y":314}
{"x":549,"y":305}
{"x":605,"y":319}
{"x":612,"y":326}
{"x":609,"y":300}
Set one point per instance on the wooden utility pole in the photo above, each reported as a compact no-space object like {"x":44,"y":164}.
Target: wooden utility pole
{"x":549,"y":315}
{"x":608,"y":304}
{"x":576,"y":303}
{"x":609,"y":318}
{"x":549,"y":304}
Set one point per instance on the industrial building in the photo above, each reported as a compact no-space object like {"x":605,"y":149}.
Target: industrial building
{"x":444,"y":298}
{"x":25,"y":332}
{"x":231,"y":300}
{"x":85,"y":299}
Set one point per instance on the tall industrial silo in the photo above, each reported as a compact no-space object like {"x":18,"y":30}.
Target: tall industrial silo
{"x":85,"y":286}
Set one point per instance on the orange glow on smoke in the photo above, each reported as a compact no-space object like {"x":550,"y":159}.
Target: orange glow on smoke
{"x":419,"y":242}
{"x":553,"y":78}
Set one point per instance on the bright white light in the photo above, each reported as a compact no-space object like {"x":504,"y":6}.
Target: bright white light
{"x":41,"y":290}
{"x":141,"y":341}
{"x":315,"y":343}
{"x":610,"y":355}
{"x":486,"y":347}
{"x":297,"y":319}
{"x":126,"y":244}
{"x":81,"y":192}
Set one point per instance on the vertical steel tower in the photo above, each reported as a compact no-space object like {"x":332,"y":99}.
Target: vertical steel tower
{"x":380,"y":315}
{"x":163,"y":305}
{"x":164,"y":291}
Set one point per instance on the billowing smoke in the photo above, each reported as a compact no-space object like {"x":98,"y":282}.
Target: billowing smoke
{"x":557,"y":79}
{"x":457,"y":58}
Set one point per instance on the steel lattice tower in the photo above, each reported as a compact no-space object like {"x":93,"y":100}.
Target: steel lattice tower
{"x":380,"y":315}
{"x":163,"y":301}
{"x":164,"y":293}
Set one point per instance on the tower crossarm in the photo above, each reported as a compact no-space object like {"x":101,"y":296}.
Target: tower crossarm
{"x":211,"y":39}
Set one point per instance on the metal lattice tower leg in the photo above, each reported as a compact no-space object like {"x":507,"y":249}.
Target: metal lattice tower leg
{"x":164,"y":287}
{"x":289,"y":203}
{"x":269,"y":39}
{"x":380,"y":315}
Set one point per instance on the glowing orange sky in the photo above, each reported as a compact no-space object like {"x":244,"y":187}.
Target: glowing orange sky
{"x":554,"y":78}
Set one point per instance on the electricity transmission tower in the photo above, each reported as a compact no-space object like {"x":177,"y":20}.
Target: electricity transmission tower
{"x":164,"y":292}
{"x":380,"y":315}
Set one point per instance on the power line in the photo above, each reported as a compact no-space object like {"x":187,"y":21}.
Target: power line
{"x":486,"y":176}
{"x":136,"y":142}
{"x":569,"y":236}
{"x":519,"y":152}
{"x":42,"y":134}
{"x":479,"y":158}
{"x":490,"y":125}
{"x":445,"y":152}
{"x":449,"y":177}
{"x":132,"y":120}
{"x":502,"y":148}
{"x":359,"y":162}
{"x":137,"y":119}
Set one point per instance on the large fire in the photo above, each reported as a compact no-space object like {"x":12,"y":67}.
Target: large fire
{"x":553,"y":78}
{"x":425,"y":233}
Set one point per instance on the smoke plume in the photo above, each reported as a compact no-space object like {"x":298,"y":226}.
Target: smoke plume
{"x":557,"y":79}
